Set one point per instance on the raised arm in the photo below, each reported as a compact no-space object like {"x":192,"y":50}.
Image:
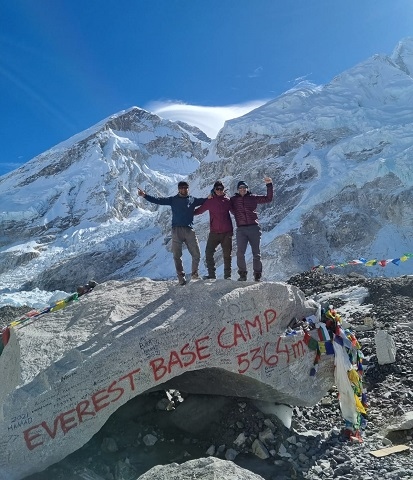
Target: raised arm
{"x":270,"y":192}
{"x":158,"y":201}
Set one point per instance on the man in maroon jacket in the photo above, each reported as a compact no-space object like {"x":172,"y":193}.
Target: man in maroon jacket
{"x":221,"y":231}
{"x":244,"y":205}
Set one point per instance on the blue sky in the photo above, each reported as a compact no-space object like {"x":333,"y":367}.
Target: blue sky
{"x":67,"y":64}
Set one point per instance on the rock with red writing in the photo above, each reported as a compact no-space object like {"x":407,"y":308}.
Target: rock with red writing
{"x":80,"y":364}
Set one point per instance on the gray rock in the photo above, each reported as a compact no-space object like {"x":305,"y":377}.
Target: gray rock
{"x":231,"y":454}
{"x":206,"y":468}
{"x":109,"y":445}
{"x":385,"y":348}
{"x":259,"y":449}
{"x":149,"y":440}
{"x":120,"y":341}
{"x":266,"y":436}
{"x":240,"y":440}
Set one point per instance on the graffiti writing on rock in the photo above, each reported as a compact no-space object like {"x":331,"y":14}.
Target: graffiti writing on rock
{"x":269,"y":354}
{"x":19,"y":421}
{"x":233,"y":335}
{"x":235,"y":310}
{"x":36,"y":435}
{"x":179,"y":359}
{"x":69,"y":415}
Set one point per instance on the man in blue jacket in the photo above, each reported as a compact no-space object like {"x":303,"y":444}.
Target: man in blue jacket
{"x":183,"y":206}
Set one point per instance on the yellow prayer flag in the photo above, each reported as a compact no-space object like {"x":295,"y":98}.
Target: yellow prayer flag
{"x":359,"y":405}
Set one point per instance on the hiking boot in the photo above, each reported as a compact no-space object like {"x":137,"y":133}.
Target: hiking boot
{"x":257,"y":276}
{"x":182,"y":279}
{"x":209,"y":277}
{"x":227,"y":277}
{"x":242,"y":276}
{"x":195,"y":276}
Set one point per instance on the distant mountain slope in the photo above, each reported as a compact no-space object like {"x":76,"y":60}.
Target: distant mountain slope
{"x":339,"y":155}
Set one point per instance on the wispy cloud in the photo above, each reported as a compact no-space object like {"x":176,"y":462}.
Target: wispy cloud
{"x":209,"y":119}
{"x":256,"y":73}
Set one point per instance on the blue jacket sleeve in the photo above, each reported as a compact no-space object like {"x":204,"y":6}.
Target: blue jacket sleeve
{"x":199,"y":201}
{"x":159,"y":201}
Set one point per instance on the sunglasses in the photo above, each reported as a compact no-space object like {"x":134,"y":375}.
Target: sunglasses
{"x":183,"y":188}
{"x":221,"y":189}
{"x":242,"y":188}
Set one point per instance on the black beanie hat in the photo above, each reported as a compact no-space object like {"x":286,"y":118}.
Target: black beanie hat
{"x":242,"y":184}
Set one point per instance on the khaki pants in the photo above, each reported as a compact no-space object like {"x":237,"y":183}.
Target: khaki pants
{"x":181,"y":235}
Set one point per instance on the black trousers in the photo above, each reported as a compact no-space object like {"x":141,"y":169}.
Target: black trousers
{"x":214,"y":240}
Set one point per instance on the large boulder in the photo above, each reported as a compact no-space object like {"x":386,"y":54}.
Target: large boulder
{"x":64,"y":373}
{"x":205,"y":468}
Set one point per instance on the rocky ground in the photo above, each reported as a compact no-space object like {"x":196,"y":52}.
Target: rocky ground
{"x":173,"y":427}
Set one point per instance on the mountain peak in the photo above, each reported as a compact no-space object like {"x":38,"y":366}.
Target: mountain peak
{"x":402,"y":55}
{"x":339,"y":154}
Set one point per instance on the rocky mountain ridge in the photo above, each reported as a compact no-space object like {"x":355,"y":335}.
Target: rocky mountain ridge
{"x":339,"y":155}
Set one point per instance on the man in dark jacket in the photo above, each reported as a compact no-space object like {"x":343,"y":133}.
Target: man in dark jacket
{"x":220,"y":229}
{"x":244,"y":205}
{"x":183,"y":207}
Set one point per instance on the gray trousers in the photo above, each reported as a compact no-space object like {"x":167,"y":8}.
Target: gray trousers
{"x":250,"y":234}
{"x":181,"y":235}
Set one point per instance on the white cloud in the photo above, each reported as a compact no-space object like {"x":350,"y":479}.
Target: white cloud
{"x":209,"y":119}
{"x":257,"y":72}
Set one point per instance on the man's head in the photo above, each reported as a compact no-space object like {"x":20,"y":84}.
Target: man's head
{"x":219,"y":188}
{"x":183,"y":188}
{"x":242,"y":188}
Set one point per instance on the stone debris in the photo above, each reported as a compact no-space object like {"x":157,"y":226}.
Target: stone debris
{"x":313,"y":448}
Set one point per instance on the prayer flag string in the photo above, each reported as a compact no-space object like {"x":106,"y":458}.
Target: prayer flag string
{"x":367,"y":263}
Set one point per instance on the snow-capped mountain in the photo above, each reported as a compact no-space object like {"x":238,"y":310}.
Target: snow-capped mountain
{"x":339,"y":156}
{"x":79,"y":200}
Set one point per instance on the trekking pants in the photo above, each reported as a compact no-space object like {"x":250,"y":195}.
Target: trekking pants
{"x":215,"y":239}
{"x":181,"y":235}
{"x":249,"y":234}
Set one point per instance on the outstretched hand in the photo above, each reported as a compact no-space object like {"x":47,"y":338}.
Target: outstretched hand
{"x":267,"y":180}
{"x":141,"y":193}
